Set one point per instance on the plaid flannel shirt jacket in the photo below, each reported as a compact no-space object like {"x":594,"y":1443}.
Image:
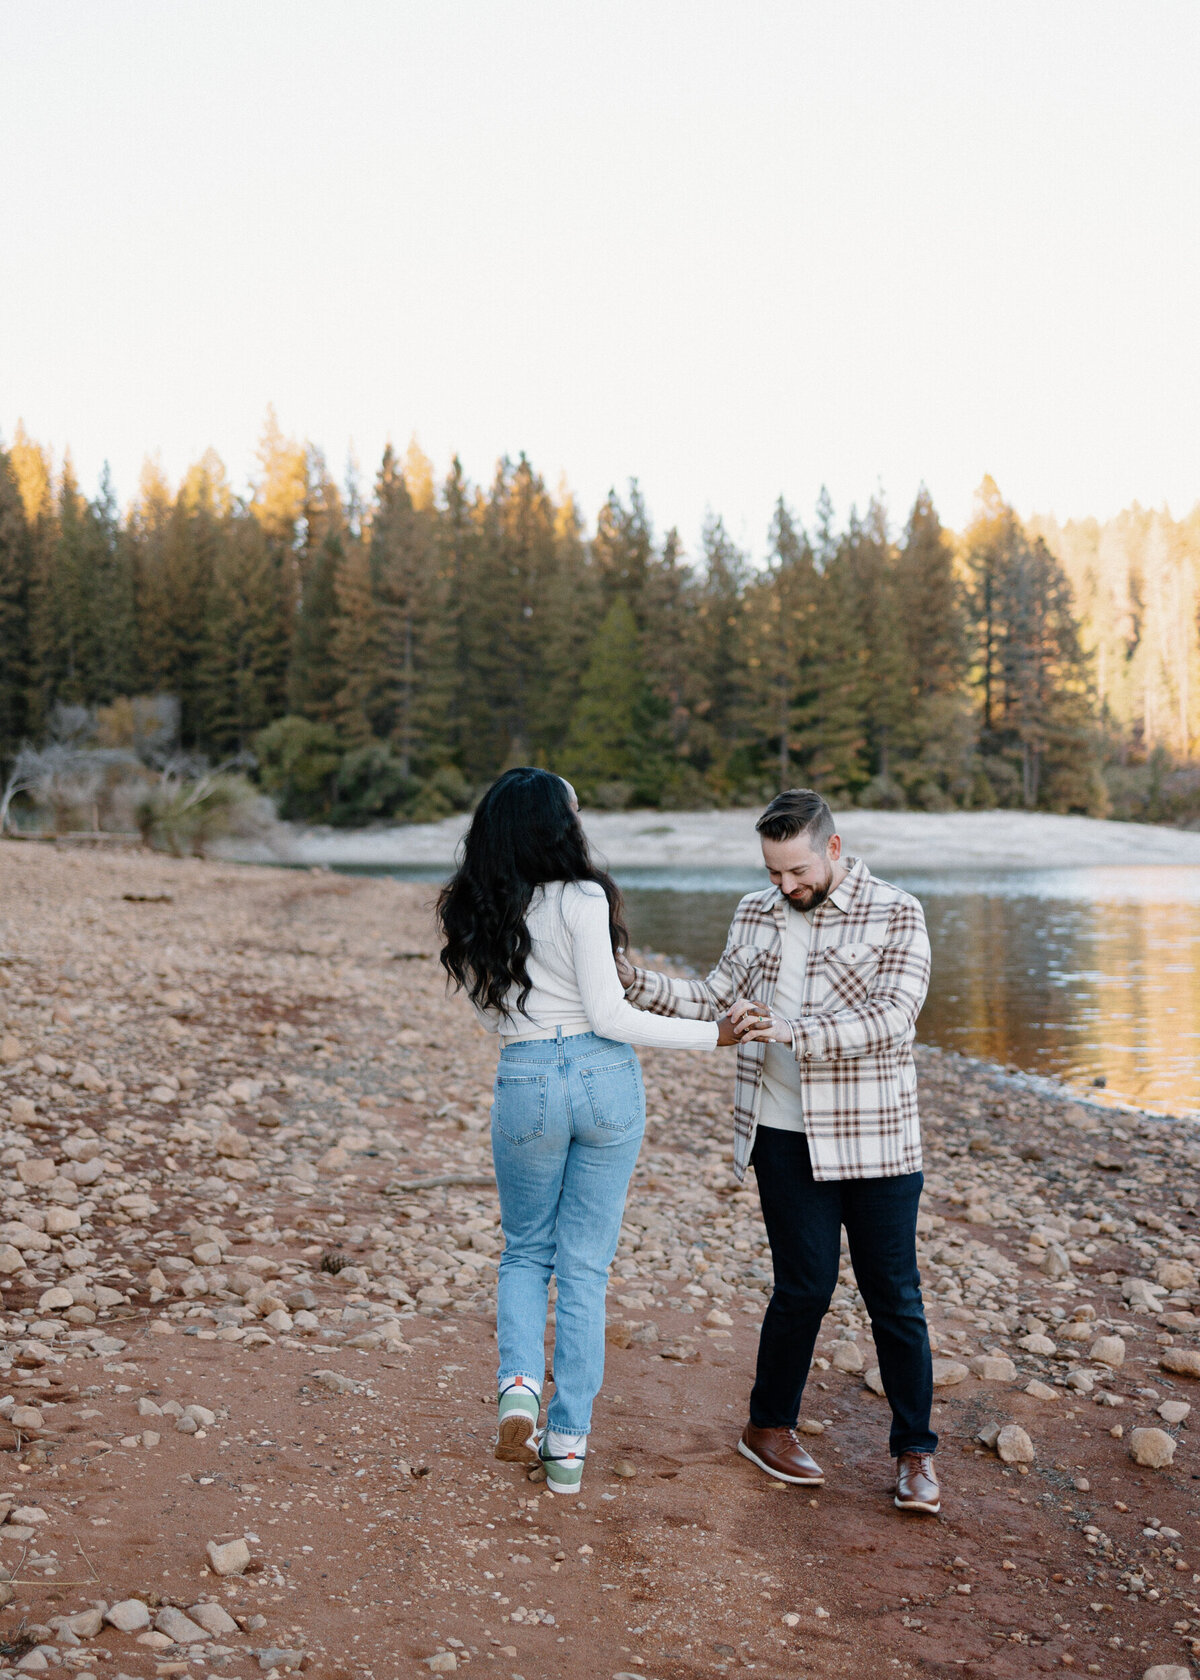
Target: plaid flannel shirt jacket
{"x":864,"y":984}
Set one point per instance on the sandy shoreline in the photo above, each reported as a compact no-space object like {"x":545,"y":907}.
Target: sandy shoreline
{"x":888,"y":840}
{"x":218,"y":1088}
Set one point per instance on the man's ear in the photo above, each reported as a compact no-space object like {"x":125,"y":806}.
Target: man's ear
{"x":834,"y":849}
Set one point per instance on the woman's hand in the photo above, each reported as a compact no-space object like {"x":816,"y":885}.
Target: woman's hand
{"x":626,"y":973}
{"x":754,"y":1022}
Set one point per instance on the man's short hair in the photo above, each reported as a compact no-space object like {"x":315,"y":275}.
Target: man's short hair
{"x":798,"y":811}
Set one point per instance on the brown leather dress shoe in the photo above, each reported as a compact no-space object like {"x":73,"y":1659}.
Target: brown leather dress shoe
{"x":916,"y":1484}
{"x":779,"y":1453}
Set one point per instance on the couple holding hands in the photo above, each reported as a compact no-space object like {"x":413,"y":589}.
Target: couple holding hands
{"x":819,"y":988}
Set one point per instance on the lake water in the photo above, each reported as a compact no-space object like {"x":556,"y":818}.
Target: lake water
{"x":1084,"y":975}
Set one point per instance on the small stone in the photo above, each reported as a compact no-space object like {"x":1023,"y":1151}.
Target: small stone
{"x":212,"y":1618}
{"x":874,"y":1381}
{"x":1153,"y":1448}
{"x":811,"y":1426}
{"x":128,"y":1616}
{"x":156,"y":1641}
{"x":442,"y":1662}
{"x":25,"y":1417}
{"x":1056,"y":1265}
{"x":202,"y":1415}
{"x":1108,"y":1350}
{"x":993,"y":1367}
{"x":55,"y":1300}
{"x":1140,"y":1292}
{"x":624,"y":1469}
{"x":1167,"y":1671}
{"x":1081,"y":1485}
{"x":1173,"y":1411}
{"x":847,"y":1356}
{"x":434,"y":1295}
{"x":1013,"y":1445}
{"x":334,"y":1381}
{"x":60,"y":1220}
{"x":1175,"y":1274}
{"x":86,"y":1624}
{"x":179,"y":1628}
{"x":791,"y":1619}
{"x":1082,"y":1382}
{"x":229,"y":1558}
{"x":1040,"y":1390}
{"x":275,"y":1656}
{"x":207,"y":1254}
{"x":1184,"y":1362}
{"x":11,"y":1049}
{"x":718,"y":1320}
{"x":948,"y":1372}
{"x":1037,"y":1343}
{"x":28,"y":1514}
{"x":11,"y":1260}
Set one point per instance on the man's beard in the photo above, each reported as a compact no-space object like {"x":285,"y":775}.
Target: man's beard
{"x":807,"y":898}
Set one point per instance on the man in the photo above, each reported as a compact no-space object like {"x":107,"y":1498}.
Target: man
{"x":824,"y":974}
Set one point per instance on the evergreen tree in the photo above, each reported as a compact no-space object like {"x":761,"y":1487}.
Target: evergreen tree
{"x":14,"y":613}
{"x":622,"y":549}
{"x":615,"y":748}
{"x":313,"y":678}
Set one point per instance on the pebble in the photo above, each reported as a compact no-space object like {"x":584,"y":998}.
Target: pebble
{"x":442,"y":1662}
{"x":1108,"y":1350}
{"x":624,"y":1469}
{"x":1013,"y":1445}
{"x":335,"y":1382}
{"x":229,"y":1557}
{"x":1040,"y":1390}
{"x":1039,"y":1344}
{"x":1153,"y":1448}
{"x":993,"y":1367}
{"x":847,"y":1356}
{"x":1173,"y":1411}
{"x":128,"y":1616}
{"x":212,"y":1618}
{"x":277,"y":1656}
{"x":180,"y":1628}
{"x":948,"y":1372}
{"x":1184,"y":1362}
{"x":1167,"y":1671}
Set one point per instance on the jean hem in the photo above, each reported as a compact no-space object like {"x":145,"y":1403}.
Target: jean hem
{"x":923,"y":1444}
{"x":567,"y":1428}
{"x":525,"y":1376}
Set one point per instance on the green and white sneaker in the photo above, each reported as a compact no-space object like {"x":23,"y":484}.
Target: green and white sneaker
{"x":563,"y":1456}
{"x":516,"y":1433}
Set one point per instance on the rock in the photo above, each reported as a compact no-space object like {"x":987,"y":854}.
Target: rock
{"x":1056,"y":1264}
{"x":60,"y":1220}
{"x":1153,"y":1448}
{"x":36,"y":1171}
{"x":180,"y":1629}
{"x":88,"y":1077}
{"x":993,"y":1367}
{"x":277,"y":1656}
{"x":1039,"y":1344}
{"x":623,"y":1468}
{"x":1081,"y":1381}
{"x":1041,"y":1390}
{"x":1184,"y":1362}
{"x":207,"y":1254}
{"x":86,"y":1624}
{"x":28,"y":1514}
{"x":1175,"y":1274}
{"x":718,"y":1320}
{"x":11,"y":1049}
{"x":1140,"y":1292}
{"x":433,"y":1295}
{"x":10,"y":1260}
{"x":1013,"y":1445}
{"x":1167,"y":1671}
{"x":334,"y":1381}
{"x":156,"y":1641}
{"x":212,"y":1618}
{"x":442,"y":1662}
{"x":1173,"y":1411}
{"x":55,"y":1300}
{"x":847,"y":1356}
{"x":201,"y":1415}
{"x":947,"y":1372}
{"x":1108,"y":1350}
{"x":27,"y":1418}
{"x":228,"y":1558}
{"x":128,"y":1616}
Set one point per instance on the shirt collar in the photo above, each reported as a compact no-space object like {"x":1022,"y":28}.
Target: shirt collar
{"x":842,"y":897}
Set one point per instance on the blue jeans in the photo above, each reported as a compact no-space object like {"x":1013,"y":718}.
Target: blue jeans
{"x":804,"y":1222}
{"x":567,"y":1124}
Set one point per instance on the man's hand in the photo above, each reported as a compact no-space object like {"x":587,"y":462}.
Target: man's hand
{"x":626,"y":973}
{"x":726,"y":1032}
{"x":754,"y":1022}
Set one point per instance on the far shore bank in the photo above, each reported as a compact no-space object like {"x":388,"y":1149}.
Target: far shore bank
{"x":888,"y":840}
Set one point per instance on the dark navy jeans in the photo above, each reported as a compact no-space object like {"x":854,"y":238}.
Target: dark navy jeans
{"x":804,"y":1222}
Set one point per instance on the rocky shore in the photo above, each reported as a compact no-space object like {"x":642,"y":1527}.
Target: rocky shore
{"x":247,"y":1268}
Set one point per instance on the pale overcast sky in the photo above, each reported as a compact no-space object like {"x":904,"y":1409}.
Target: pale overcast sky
{"x":730,"y":249}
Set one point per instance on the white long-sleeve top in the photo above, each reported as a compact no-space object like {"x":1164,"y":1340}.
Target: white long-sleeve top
{"x":575,"y":982}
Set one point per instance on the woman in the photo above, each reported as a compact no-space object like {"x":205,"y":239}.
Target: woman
{"x":530,"y":927}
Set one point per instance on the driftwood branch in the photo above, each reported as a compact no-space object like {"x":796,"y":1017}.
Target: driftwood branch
{"x":441,"y":1179}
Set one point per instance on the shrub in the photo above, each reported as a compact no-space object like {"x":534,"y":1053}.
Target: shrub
{"x":298,"y":762}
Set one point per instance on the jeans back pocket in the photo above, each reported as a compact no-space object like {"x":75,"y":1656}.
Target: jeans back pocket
{"x":615,"y":1093}
{"x":520,"y":1105}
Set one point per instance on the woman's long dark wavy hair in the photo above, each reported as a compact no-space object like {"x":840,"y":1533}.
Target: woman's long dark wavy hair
{"x":524,"y":832}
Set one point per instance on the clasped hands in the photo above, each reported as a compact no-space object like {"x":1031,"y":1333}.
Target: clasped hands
{"x":751,"y":1021}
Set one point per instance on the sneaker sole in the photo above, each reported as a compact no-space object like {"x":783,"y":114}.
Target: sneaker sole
{"x":561,"y":1492}
{"x":779,"y":1475}
{"x":917,"y":1506}
{"x":515,"y":1442}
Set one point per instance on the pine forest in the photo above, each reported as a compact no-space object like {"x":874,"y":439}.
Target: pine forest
{"x":377,"y":652}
